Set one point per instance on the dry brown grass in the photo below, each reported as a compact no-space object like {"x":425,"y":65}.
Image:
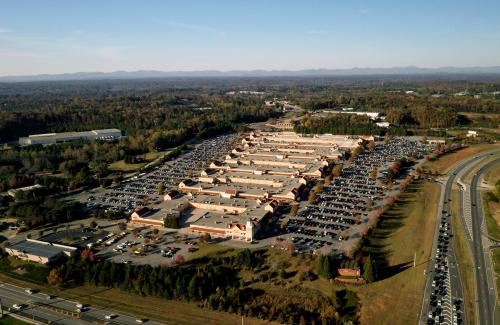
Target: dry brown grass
{"x":398,"y":298}
{"x":492,"y":175}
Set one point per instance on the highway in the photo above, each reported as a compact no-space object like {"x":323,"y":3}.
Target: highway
{"x":42,"y":309}
{"x":452,"y":283}
{"x":484,"y":273}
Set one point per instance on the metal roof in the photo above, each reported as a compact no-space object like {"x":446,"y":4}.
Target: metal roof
{"x":36,"y":249}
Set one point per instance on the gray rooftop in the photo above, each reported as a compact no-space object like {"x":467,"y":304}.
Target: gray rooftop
{"x":35,"y":248}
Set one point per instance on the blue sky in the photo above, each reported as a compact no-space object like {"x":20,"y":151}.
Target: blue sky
{"x":42,"y":36}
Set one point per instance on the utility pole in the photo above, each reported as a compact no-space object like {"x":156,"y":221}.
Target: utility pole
{"x":414,"y":259}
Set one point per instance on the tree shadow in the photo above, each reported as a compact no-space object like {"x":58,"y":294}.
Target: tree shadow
{"x":375,"y":244}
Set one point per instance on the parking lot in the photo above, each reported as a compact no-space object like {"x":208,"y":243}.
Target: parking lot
{"x":348,"y":200}
{"x":142,"y":190}
{"x":145,"y":245}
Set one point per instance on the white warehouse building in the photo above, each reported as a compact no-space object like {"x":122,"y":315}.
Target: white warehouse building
{"x":50,"y":138}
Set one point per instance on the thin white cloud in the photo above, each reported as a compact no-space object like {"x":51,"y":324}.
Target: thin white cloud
{"x":363,"y":11}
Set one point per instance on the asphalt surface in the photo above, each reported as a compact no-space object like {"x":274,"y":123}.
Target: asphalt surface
{"x":39,"y":307}
{"x":452,"y":283}
{"x":484,"y":273}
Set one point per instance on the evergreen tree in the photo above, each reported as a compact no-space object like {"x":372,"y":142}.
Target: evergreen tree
{"x":323,"y":266}
{"x":368,"y":273}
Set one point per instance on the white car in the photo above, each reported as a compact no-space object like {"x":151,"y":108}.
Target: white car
{"x":18,"y":306}
{"x":110,"y":316}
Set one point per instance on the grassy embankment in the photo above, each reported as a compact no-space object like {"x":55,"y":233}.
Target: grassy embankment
{"x":443,"y":164}
{"x":492,"y":219}
{"x":406,"y":229}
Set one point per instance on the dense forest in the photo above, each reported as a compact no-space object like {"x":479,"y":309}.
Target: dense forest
{"x":385,"y":100}
{"x":343,"y":124}
{"x":151,"y":123}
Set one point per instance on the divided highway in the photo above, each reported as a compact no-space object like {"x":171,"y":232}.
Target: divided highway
{"x":444,"y":292}
{"x":484,"y":273}
{"x":56,"y":310}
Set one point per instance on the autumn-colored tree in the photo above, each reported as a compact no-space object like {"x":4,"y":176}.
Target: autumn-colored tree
{"x":289,"y":246}
{"x":294,"y":209}
{"x":88,"y":254}
{"x":161,"y":188}
{"x":371,"y":145}
{"x":337,"y":171}
{"x":54,"y":278}
{"x":179,"y":259}
{"x":312,"y":197}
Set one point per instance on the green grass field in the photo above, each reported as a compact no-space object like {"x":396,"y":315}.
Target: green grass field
{"x":24,"y":270}
{"x":8,"y":320}
{"x":209,"y":249}
{"x":122,"y":166}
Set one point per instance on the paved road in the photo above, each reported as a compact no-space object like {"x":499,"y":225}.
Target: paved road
{"x":484,"y":272}
{"x":11,"y":294}
{"x":452,"y":281}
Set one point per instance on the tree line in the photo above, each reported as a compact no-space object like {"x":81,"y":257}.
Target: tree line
{"x":214,"y":283}
{"x":343,"y":124}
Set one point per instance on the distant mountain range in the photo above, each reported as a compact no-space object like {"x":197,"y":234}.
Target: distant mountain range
{"x":144,"y":74}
